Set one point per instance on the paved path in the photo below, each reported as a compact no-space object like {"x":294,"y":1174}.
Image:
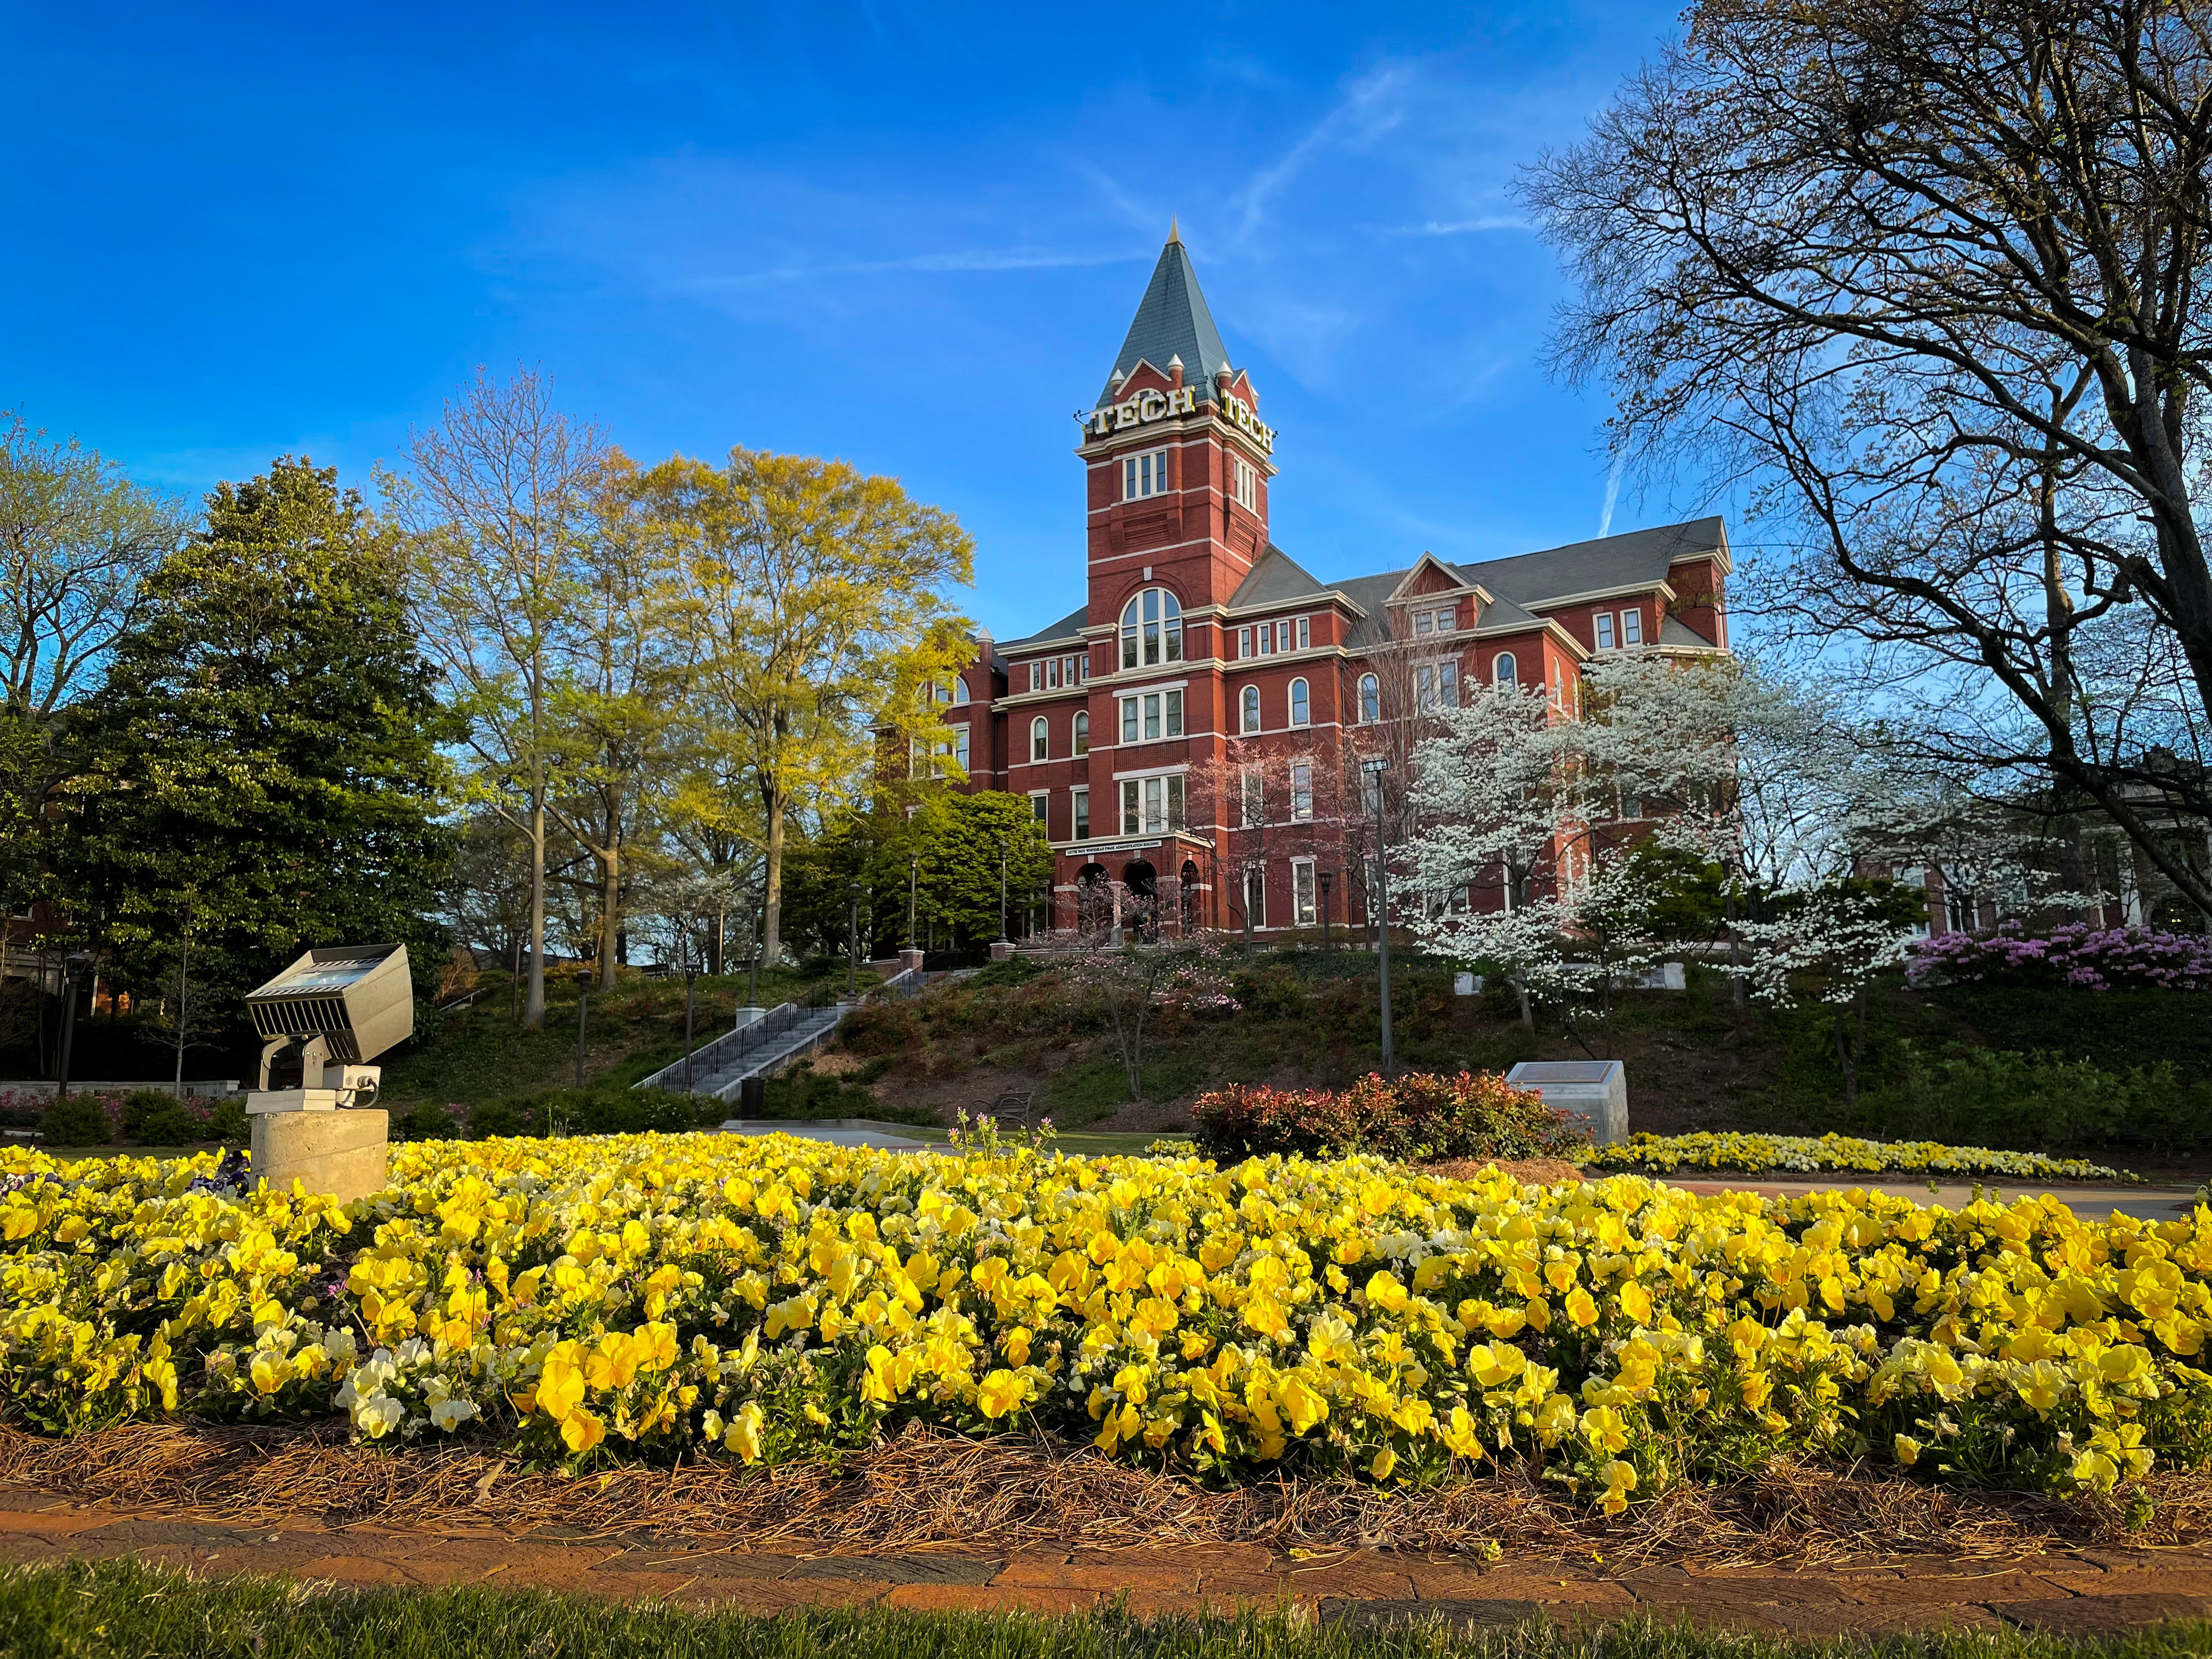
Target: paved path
{"x":2075,"y":1591}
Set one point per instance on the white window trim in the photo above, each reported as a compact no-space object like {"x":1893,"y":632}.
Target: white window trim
{"x":1044,"y":817}
{"x":1080,"y":791}
{"x":1313,"y":887}
{"x":1131,"y":472}
{"x":1290,"y":703}
{"x":1040,"y":728}
{"x":1180,"y":767}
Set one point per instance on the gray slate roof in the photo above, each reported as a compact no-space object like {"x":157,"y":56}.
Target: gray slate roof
{"x":1067,"y":629}
{"x":1172,"y":321}
{"x":1625,"y":561}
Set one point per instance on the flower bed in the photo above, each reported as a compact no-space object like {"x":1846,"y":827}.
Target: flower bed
{"x":766,"y":1299}
{"x":1417,"y":1115}
{"x":1756,"y":1154}
{"x":2074,"y":955}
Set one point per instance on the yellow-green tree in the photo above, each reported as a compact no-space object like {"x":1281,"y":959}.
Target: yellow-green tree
{"x":818,"y":609}
{"x":622,"y":669}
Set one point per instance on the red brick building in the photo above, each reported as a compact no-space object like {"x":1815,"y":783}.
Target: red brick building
{"x":1197,"y":730}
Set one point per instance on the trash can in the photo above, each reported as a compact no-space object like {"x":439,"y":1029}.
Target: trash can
{"x":752,"y":1097}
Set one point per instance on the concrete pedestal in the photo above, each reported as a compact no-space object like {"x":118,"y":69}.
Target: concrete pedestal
{"x":909,"y":961}
{"x":1002,"y":948}
{"x":1594,"y":1090}
{"x":341,"y":1153}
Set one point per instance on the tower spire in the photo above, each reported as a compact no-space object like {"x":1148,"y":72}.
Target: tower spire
{"x":1173,"y":235}
{"x":1172,"y":321}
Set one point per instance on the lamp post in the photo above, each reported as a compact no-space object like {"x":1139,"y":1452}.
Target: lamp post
{"x":1325,"y":879}
{"x":853,"y":943}
{"x":690,"y":977}
{"x":72,"y":967}
{"x":1382,"y":911}
{"x":752,"y":973}
{"x":1002,"y":891}
{"x":583,"y":1012}
{"x":912,"y":888}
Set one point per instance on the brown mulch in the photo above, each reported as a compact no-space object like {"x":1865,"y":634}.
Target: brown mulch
{"x":1528,"y":1171}
{"x":926,"y":1490}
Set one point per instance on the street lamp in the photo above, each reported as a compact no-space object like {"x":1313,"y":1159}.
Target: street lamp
{"x":1002,"y":891}
{"x":1325,"y":878}
{"x":760,"y":928}
{"x":690,"y":978}
{"x":853,"y":943}
{"x":583,"y":1012}
{"x":1374,"y":770}
{"x":913,"y":887}
{"x":73,"y":969}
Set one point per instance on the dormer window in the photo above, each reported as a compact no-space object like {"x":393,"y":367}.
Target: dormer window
{"x":1144,"y":475}
{"x":1631,"y":627}
{"x":1151,"y":629}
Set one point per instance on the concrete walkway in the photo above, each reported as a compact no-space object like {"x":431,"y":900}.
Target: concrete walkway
{"x":2077,"y":1591}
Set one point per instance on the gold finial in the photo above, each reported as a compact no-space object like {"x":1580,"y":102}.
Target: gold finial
{"x":1173,"y":235}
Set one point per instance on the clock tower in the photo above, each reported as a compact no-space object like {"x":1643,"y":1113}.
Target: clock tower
{"x":1177,"y":464}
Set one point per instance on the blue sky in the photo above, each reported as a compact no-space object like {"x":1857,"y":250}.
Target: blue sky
{"x":912,"y":237}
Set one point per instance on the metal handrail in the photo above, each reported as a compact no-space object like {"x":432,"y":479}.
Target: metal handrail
{"x":907,"y":983}
{"x":731,"y":1045}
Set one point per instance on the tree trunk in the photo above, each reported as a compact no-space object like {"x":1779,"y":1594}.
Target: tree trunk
{"x":772,"y":881}
{"x":609,"y":909}
{"x":1737,"y":987}
{"x":533,"y":1011}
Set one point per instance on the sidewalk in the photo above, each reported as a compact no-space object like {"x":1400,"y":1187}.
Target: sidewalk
{"x":2072,"y":1592}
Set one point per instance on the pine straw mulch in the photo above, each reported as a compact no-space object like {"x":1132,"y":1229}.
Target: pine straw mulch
{"x":926,"y":1490}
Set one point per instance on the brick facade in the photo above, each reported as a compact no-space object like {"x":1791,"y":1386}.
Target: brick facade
{"x":1263,"y":693}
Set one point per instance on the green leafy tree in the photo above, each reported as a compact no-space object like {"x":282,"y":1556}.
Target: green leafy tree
{"x":946,"y":850}
{"x":261,"y":765}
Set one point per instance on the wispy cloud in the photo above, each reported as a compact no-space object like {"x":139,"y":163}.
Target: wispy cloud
{"x":1367,"y":110}
{"x":1464,"y":226}
{"x":954,"y":260}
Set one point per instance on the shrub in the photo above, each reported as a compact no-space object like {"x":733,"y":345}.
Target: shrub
{"x":496,"y":1117}
{"x":1014,"y":970}
{"x":803,"y":1092}
{"x":2000,"y":1097}
{"x":426,"y":1122}
{"x":79,"y":1121}
{"x":227,"y":1120}
{"x":155,"y":1118}
{"x":1473,"y":1114}
{"x":2075,"y":955}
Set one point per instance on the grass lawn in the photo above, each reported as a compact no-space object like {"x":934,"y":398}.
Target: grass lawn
{"x":93,"y":1610}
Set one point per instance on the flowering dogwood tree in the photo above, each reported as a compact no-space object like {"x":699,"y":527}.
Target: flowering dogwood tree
{"x":1129,"y":982}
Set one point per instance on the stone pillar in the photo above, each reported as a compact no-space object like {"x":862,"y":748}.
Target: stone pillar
{"x":341,"y":1153}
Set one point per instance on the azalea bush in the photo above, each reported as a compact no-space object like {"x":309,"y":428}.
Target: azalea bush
{"x":1419,"y":1115}
{"x":1731,"y":1150}
{"x":2075,"y":955}
{"x":660,"y":1297}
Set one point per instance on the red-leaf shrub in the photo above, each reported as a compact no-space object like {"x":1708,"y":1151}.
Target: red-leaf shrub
{"x":1423,"y":1115}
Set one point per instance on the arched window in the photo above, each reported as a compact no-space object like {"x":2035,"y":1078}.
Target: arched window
{"x":1082,"y":733}
{"x":1251,"y":700}
{"x":1504,"y":670}
{"x":1040,"y":739}
{"x":1151,"y":629}
{"x":960,"y":690}
{"x":1370,"y":699}
{"x":1301,"y":704}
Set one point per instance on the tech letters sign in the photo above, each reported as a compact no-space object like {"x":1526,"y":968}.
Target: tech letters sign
{"x":1153,"y":405}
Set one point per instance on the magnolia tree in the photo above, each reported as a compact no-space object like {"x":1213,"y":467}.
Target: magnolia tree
{"x":1830,"y":942}
{"x":1128,"y":983}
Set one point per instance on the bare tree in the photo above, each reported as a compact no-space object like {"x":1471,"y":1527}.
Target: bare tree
{"x":1931,"y":277}
{"x":76,"y":536}
{"x":499,"y":501}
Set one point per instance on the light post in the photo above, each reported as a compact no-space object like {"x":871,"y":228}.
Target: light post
{"x":912,"y":888}
{"x":583,"y":1012}
{"x":752,"y":973}
{"x":1374,"y":770}
{"x":690,"y":978}
{"x":72,"y":967}
{"x":1325,"y":880}
{"x":853,"y":943}
{"x":1002,"y":891}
